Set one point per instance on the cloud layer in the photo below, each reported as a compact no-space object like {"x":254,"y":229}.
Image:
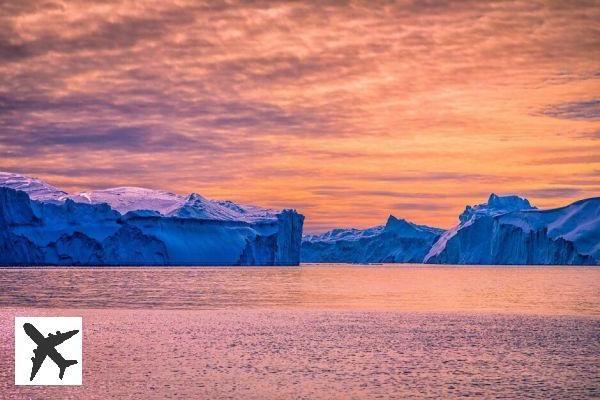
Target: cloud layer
{"x":262,"y":102}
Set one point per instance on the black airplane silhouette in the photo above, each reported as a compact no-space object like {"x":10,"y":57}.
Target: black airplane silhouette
{"x":46,"y":347}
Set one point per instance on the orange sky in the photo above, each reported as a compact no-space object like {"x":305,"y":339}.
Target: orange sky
{"x":346,"y":111}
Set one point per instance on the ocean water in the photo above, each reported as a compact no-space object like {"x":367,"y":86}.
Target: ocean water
{"x":317,"y":331}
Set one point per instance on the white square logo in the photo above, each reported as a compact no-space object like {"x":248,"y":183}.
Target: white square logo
{"x":48,"y":350}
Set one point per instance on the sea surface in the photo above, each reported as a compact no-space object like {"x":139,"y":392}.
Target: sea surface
{"x":317,"y":331}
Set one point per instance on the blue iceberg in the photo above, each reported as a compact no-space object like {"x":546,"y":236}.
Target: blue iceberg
{"x":41,"y":225}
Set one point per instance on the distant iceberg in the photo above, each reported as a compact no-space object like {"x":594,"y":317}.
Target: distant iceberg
{"x":42,"y":225}
{"x":396,"y":241}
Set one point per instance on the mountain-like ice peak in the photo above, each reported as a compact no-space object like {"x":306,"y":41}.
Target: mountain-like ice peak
{"x":36,"y":188}
{"x":195,"y":198}
{"x":496,"y":205}
{"x":508,"y":202}
{"x":197,"y":206}
{"x":409,"y":229}
{"x":399,"y":225}
{"x":393,"y":221}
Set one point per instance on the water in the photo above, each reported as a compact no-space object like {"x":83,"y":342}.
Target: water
{"x":318,"y":331}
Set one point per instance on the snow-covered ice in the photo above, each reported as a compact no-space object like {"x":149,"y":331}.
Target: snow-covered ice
{"x":40,"y":224}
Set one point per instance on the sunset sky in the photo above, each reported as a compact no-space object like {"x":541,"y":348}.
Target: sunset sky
{"x":347,"y":111}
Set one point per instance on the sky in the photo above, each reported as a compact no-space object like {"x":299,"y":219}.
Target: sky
{"x":346,"y":111}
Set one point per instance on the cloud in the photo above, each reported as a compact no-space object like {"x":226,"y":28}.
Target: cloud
{"x":432,"y":177}
{"x":418,"y":206}
{"x":581,"y":110}
{"x":583,"y":180}
{"x":593,"y":134}
{"x":264,"y":101}
{"x":550,"y":193}
{"x":67,"y":138}
{"x":575,"y":159}
{"x":334,"y":191}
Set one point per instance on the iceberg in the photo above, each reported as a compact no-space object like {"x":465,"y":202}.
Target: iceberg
{"x":503,"y":230}
{"x":42,"y":225}
{"x":508,"y":230}
{"x":398,"y":241}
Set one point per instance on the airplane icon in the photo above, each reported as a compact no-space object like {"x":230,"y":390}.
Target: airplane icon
{"x":46,"y":347}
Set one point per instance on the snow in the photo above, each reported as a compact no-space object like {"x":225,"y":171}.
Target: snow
{"x":196,"y":206}
{"x":125,"y":199}
{"x":37,"y":189}
{"x":128,"y":199}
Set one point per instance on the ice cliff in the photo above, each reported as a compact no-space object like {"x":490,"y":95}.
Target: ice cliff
{"x":396,"y":241}
{"x":42,"y":225}
{"x":508,"y":230}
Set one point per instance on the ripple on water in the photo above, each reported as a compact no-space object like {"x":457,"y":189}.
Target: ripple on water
{"x":328,"y":354}
{"x":318,"y":331}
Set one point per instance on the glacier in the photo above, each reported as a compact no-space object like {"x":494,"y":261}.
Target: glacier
{"x":398,"y":241}
{"x":509,"y":230}
{"x":43,"y":225}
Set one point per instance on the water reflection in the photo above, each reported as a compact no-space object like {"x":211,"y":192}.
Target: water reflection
{"x":531,"y":290}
